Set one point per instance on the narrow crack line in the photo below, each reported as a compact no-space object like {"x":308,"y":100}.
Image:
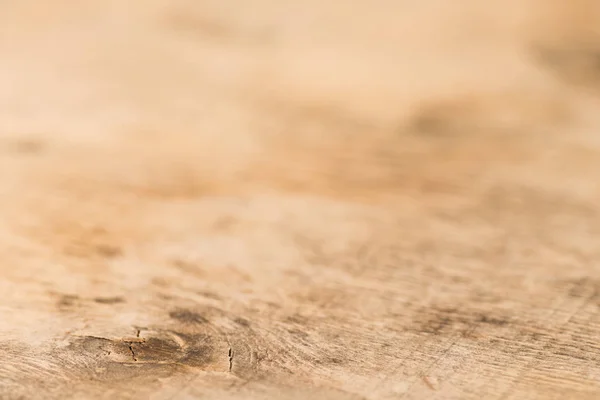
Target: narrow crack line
{"x":230,"y":355}
{"x":132,"y":352}
{"x":130,"y":342}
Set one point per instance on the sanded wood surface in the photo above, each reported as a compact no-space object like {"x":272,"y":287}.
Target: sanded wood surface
{"x":278,"y":199}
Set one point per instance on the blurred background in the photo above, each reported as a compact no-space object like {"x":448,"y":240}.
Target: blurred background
{"x":107,"y":106}
{"x":168,"y":98}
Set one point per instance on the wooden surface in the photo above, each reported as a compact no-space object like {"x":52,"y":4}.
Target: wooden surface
{"x":278,"y":199}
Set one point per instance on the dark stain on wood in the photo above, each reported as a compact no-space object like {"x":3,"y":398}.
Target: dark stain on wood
{"x":67,"y":301}
{"x":187,"y":317}
{"x":486,"y":319}
{"x":440,"y":320}
{"x":27,"y":146}
{"x":209,"y":295}
{"x":108,"y":251}
{"x":576,"y":64}
{"x":109,"y":300}
{"x":242,"y":322}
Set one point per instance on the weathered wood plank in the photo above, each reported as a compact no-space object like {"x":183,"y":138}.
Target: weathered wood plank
{"x":278,"y":199}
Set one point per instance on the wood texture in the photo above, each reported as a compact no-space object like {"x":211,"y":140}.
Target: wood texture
{"x":289,"y":200}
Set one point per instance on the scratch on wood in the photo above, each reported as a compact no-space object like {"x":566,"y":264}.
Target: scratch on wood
{"x":131,"y":341}
{"x":428,"y":382}
{"x":132,"y":352}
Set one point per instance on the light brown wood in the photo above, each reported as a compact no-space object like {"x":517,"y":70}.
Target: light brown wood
{"x":299,"y":199}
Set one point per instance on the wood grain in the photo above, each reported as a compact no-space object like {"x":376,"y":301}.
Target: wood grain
{"x":278,"y":199}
